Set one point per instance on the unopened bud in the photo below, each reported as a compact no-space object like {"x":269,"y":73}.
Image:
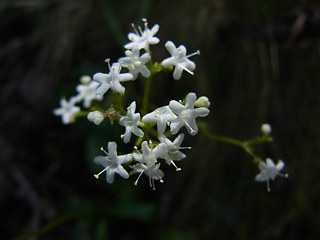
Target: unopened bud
{"x":202,"y":102}
{"x":86,"y":79}
{"x":96,"y":117}
{"x":266,"y":128}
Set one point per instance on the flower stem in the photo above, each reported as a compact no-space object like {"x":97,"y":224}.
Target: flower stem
{"x":219,"y":138}
{"x":146,"y":95}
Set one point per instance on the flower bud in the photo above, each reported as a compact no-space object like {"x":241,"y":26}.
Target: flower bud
{"x":202,"y":102}
{"x":96,"y":117}
{"x":85,"y":79}
{"x":266,"y":129}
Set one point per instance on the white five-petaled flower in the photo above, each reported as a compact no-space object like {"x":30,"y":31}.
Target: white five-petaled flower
{"x":111,"y":80}
{"x":131,"y":122}
{"x":179,"y":60}
{"x":87,"y":93}
{"x":67,"y":110}
{"x":112,"y":163}
{"x":187,"y":114}
{"x":148,"y":162}
{"x":269,"y":171}
{"x":136,"y":63}
{"x":163,"y":116}
{"x":172,"y":152}
{"x":142,"y":39}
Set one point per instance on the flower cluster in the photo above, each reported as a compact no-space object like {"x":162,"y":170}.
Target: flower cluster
{"x":152,"y":131}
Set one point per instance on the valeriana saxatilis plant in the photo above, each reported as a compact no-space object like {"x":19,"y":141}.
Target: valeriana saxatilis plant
{"x":157,"y":135}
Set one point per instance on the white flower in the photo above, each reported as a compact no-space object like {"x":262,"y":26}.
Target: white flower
{"x":266,"y":128}
{"x":148,"y":162}
{"x":269,"y":171}
{"x":163,"y":116}
{"x":130,"y":122}
{"x":142,"y":39}
{"x":96,"y":117}
{"x":179,"y":60}
{"x":136,"y":63}
{"x":172,"y":152}
{"x":112,"y":79}
{"x":67,"y":110}
{"x":187,"y":114}
{"x":112,"y":163}
{"x":153,"y":172}
{"x":87,"y":93}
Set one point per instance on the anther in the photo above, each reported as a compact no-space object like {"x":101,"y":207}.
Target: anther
{"x":102,"y":149}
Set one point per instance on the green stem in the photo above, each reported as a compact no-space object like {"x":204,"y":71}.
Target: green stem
{"x":219,"y":138}
{"x":247,"y":146}
{"x":146,"y":95}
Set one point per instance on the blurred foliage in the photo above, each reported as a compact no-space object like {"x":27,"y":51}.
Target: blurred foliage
{"x":259,"y":63}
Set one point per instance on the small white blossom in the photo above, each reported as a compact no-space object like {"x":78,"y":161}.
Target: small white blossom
{"x":173,"y":152}
{"x":112,"y":163}
{"x":87,"y":93}
{"x":269,"y":171}
{"x":187,"y":114}
{"x":130,"y":122}
{"x":266,"y":128}
{"x":136,"y":63}
{"x":142,"y":39}
{"x":67,"y":110}
{"x":111,"y":80}
{"x":163,"y":116}
{"x":179,"y":60}
{"x":148,"y":162}
{"x":96,"y":117}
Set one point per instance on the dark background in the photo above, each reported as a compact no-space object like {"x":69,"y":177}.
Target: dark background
{"x":259,"y":63}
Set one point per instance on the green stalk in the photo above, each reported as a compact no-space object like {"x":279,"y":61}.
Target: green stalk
{"x":219,"y":138}
{"x":146,"y":95}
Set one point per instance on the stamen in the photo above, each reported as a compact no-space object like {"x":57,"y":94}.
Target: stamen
{"x":268,"y":187}
{"x":136,"y":148}
{"x":102,"y":149}
{"x":286,"y":175}
{"x":140,"y":30}
{"x":177,"y":169}
{"x":136,"y":182}
{"x":108,"y":61}
{"x":122,"y":135}
{"x":97,"y":175}
{"x":145,"y":23}
{"x":187,"y":70}
{"x":192,"y":54}
{"x":153,"y":185}
{"x":182,"y":148}
{"x":150,"y":182}
{"x":134,"y":28}
{"x":191,"y":129}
